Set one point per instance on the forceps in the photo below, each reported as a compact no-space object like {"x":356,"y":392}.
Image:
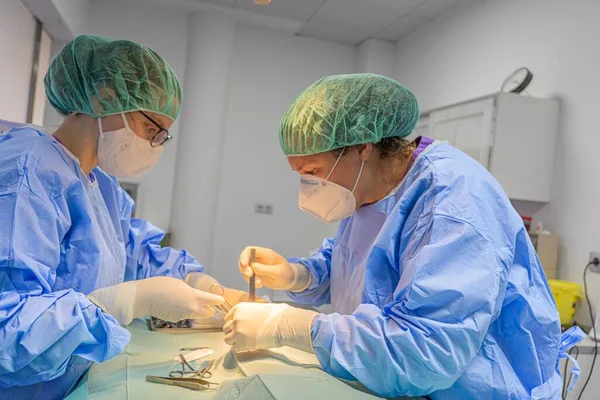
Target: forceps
{"x":188,"y":383}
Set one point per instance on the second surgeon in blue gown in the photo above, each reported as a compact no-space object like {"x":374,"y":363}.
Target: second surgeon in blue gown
{"x":434,"y":284}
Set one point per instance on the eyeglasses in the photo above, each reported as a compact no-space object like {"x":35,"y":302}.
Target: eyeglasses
{"x":162,"y":136}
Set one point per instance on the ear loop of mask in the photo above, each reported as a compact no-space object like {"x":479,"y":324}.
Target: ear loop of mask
{"x":126,"y":123}
{"x":359,"y":172}
{"x":336,"y":163}
{"x":355,"y":184}
{"x":101,"y":131}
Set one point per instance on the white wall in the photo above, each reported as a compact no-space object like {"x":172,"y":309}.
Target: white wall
{"x":17,"y":38}
{"x":40,"y":100}
{"x":470,"y":52}
{"x":269,"y":70}
{"x":52,"y":119}
{"x":62,"y":19}
{"x":211,"y":45}
{"x":165,"y":31}
{"x":75,"y":14}
{"x":376,"y":57}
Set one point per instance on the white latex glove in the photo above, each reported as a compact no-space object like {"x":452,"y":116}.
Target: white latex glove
{"x":163,"y":297}
{"x":274,"y":271}
{"x":250,"y":326}
{"x":207,"y":283}
{"x":202,"y":281}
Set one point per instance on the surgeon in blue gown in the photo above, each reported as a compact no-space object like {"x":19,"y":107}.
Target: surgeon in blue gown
{"x":74,"y":265}
{"x":433,"y":281}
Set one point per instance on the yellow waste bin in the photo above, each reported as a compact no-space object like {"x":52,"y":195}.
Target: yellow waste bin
{"x":567,"y":296}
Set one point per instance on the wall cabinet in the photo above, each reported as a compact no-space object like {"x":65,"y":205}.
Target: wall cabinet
{"x":513,"y":136}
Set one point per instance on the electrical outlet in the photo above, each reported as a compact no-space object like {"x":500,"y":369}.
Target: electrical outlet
{"x":594,"y":268}
{"x":263,"y":209}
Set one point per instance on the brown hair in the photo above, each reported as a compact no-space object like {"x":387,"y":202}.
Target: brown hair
{"x":388,"y":147}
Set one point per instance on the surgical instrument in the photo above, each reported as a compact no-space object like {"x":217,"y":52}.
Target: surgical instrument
{"x":220,"y":291}
{"x":188,"y":383}
{"x":203,"y":373}
{"x":252,"y":283}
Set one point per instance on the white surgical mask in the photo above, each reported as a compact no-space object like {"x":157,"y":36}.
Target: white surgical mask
{"x":124,"y":154}
{"x":325,"y":199}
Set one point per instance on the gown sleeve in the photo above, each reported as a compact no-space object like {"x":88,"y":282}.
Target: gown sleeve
{"x":449,"y":293}
{"x":319,"y":267}
{"x":41,"y":330}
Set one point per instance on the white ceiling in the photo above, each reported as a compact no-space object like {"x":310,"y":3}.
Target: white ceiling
{"x":348,"y":21}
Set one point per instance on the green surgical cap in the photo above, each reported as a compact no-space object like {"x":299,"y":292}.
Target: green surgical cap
{"x":345,"y":110}
{"x":100,"y":76}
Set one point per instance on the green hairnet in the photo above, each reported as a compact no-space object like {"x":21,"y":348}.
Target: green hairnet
{"x":100,"y":76}
{"x":345,"y":110}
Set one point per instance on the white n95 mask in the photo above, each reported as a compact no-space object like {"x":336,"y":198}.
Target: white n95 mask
{"x":325,"y":199}
{"x":124,"y":154}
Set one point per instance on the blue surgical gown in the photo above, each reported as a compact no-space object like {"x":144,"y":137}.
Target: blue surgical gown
{"x":61,"y":237}
{"x":454,"y":304}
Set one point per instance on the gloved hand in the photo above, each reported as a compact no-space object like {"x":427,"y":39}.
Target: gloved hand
{"x":202,"y":281}
{"x":250,"y":326}
{"x":274,"y":271}
{"x":163,"y":297}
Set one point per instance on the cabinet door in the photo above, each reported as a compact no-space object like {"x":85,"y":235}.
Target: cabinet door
{"x":468,"y":127}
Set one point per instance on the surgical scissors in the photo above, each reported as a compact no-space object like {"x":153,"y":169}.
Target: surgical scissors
{"x":204,"y":373}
